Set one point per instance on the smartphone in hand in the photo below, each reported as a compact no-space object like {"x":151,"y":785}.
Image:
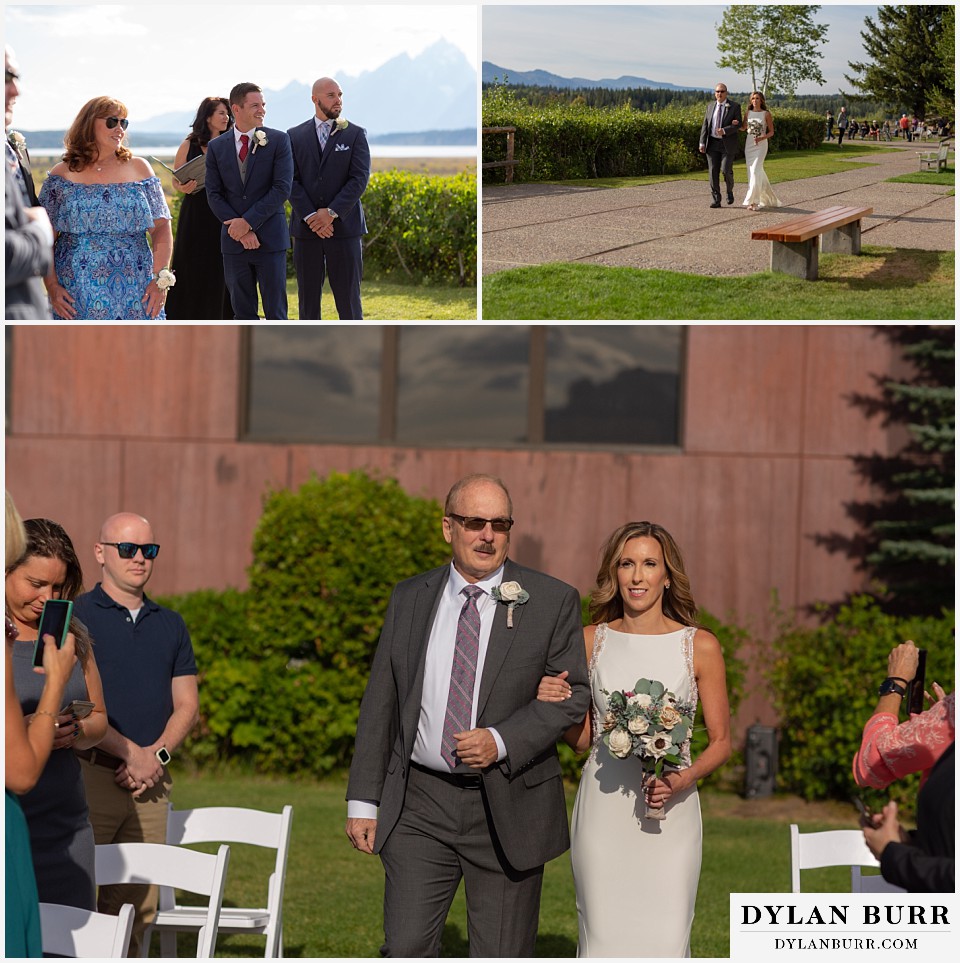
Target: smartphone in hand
{"x":862,"y":808}
{"x":55,"y":621}
{"x":79,"y":708}
{"x":915,"y":688}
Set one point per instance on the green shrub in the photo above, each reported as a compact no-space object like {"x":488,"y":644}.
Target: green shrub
{"x":283,"y":665}
{"x":825,"y":683}
{"x":574,"y":141}
{"x":423,"y":227}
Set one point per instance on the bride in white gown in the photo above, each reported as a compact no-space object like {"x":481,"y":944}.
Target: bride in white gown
{"x":759,"y":192}
{"x":644,"y":627}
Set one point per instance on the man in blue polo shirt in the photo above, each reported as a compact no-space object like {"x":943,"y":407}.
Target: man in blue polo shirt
{"x":150,"y":687}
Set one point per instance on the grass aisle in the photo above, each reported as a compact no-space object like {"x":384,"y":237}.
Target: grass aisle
{"x":333,"y":896}
{"x":881,"y":283}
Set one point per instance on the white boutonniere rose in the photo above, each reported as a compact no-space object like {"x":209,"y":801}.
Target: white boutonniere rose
{"x":259,"y":140}
{"x":342,"y":123}
{"x":511,"y":594}
{"x":17,"y":141}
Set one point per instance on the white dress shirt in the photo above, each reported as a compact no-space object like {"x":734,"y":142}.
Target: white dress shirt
{"x":436,"y":677}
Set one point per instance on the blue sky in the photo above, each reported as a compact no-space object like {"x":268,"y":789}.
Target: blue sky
{"x":156,"y":57}
{"x":667,"y":43}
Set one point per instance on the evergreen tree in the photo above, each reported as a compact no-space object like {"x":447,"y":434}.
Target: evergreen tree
{"x":906,"y":63}
{"x":943,"y":101}
{"x":776,"y":45}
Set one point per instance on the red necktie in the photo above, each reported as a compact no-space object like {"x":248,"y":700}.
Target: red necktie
{"x":244,"y":141}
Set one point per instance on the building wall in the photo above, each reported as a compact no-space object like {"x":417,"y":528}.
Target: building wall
{"x":146,"y":419}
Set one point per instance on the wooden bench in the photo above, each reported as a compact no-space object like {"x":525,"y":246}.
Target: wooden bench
{"x":794,"y":247}
{"x":509,"y":163}
{"x":935,"y":159}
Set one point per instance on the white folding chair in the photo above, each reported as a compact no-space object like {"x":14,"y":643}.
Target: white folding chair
{"x":233,"y":825}
{"x":70,"y":931}
{"x":860,"y":883}
{"x":161,"y":865}
{"x":837,"y":847}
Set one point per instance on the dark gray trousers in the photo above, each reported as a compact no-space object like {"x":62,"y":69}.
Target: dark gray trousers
{"x":445,"y":834}
{"x":719,"y":160}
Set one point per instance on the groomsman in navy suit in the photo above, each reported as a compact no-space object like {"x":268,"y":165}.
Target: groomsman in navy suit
{"x":331,"y":167}
{"x":249,"y":174}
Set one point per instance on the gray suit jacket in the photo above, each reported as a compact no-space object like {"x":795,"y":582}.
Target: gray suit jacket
{"x":28,"y":256}
{"x":525,"y":791}
{"x":731,"y":131}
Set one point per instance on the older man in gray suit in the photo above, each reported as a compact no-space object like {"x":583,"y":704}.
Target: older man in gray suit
{"x":452,"y":744}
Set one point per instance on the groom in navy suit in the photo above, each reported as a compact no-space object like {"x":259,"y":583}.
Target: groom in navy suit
{"x":249,"y":172}
{"x":331,"y":167}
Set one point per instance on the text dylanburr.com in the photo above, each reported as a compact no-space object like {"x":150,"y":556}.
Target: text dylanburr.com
{"x":801,"y":925}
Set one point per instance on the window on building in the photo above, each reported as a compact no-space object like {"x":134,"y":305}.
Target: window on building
{"x":466,"y":385}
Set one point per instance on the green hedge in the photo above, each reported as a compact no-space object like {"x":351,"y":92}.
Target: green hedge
{"x":422,"y":226}
{"x":573,"y":142}
{"x":825,"y":683}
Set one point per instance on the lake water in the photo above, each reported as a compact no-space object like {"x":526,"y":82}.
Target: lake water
{"x":377,"y":150}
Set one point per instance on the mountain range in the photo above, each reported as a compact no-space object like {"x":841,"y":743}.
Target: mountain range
{"x":436,"y":90}
{"x":543,"y":78}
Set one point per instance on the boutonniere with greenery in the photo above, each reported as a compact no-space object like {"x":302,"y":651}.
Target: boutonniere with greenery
{"x":510,"y":594}
{"x":342,"y":123}
{"x":259,"y":140}
{"x":17,"y":141}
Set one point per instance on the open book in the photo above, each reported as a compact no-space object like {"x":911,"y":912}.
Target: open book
{"x":193,"y":170}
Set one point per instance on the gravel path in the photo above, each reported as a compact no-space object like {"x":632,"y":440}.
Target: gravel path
{"x":672,"y":226}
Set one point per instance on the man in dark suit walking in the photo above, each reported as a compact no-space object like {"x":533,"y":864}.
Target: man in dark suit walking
{"x":248,"y":179}
{"x":719,"y":140}
{"x":28,"y":234}
{"x":452,"y":744}
{"x":331,"y":168}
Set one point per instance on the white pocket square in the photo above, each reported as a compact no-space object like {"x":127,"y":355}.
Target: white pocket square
{"x":341,"y":147}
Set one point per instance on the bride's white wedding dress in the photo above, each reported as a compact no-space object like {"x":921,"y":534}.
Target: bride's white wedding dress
{"x":759,"y":192}
{"x":636,"y":878}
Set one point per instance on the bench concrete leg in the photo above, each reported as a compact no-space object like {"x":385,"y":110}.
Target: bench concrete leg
{"x":842,"y":240}
{"x":801,"y":260}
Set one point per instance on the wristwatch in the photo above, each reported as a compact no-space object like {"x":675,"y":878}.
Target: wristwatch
{"x":332,"y":213}
{"x":891,"y":685}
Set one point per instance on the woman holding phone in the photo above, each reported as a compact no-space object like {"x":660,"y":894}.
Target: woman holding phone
{"x":61,"y":837}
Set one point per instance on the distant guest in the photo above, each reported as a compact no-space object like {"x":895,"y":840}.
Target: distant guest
{"x":200,"y":293}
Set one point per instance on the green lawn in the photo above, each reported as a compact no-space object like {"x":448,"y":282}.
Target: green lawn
{"x":333,"y":897}
{"x":791,"y":165}
{"x":881,"y":283}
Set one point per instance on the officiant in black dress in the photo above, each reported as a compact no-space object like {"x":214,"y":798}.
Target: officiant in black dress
{"x":200,"y":293}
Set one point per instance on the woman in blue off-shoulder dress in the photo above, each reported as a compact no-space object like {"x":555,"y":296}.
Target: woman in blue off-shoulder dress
{"x":103,"y":203}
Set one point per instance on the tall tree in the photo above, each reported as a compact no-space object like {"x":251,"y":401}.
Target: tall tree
{"x":906,"y":61}
{"x":943,"y":101}
{"x":775,"y":45}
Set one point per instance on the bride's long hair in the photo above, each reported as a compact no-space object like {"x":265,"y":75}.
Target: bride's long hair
{"x":606,"y":604}
{"x":763,"y":100}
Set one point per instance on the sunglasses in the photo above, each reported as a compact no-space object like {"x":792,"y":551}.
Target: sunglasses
{"x":473,"y":523}
{"x":129,"y":549}
{"x":112,"y":122}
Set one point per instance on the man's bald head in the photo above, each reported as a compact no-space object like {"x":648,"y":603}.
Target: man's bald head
{"x":327,"y":98}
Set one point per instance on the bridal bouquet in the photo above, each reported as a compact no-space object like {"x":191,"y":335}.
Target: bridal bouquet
{"x":756,"y":127}
{"x":650,"y":723}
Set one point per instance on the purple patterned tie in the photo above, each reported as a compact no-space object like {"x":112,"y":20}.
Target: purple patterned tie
{"x":463,"y":676}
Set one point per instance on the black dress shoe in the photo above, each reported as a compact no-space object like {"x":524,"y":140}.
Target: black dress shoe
{"x":729,"y":198}
{"x":715,"y":204}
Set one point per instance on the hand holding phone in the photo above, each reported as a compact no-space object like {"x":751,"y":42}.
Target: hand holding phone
{"x":79,"y":708}
{"x":915,"y":687}
{"x":55,"y":621}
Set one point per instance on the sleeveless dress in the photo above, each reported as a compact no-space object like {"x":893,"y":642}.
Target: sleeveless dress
{"x":636,"y":878}
{"x":61,"y":836}
{"x":759,"y":192}
{"x":22,"y":920}
{"x":200,"y":293}
{"x":101,"y":255}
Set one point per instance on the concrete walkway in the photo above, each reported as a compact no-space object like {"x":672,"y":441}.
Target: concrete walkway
{"x":672,"y":226}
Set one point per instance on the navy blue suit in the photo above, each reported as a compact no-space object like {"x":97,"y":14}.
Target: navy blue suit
{"x":334,"y":179}
{"x":259,"y":201}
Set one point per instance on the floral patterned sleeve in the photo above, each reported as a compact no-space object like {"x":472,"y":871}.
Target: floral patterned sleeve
{"x":889,"y":751}
{"x":155,"y":198}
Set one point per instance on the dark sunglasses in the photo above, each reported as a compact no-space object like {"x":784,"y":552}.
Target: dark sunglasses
{"x":473,"y":523}
{"x":112,"y":122}
{"x":129,"y":549}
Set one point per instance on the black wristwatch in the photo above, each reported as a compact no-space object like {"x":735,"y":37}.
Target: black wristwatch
{"x":891,"y":685}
